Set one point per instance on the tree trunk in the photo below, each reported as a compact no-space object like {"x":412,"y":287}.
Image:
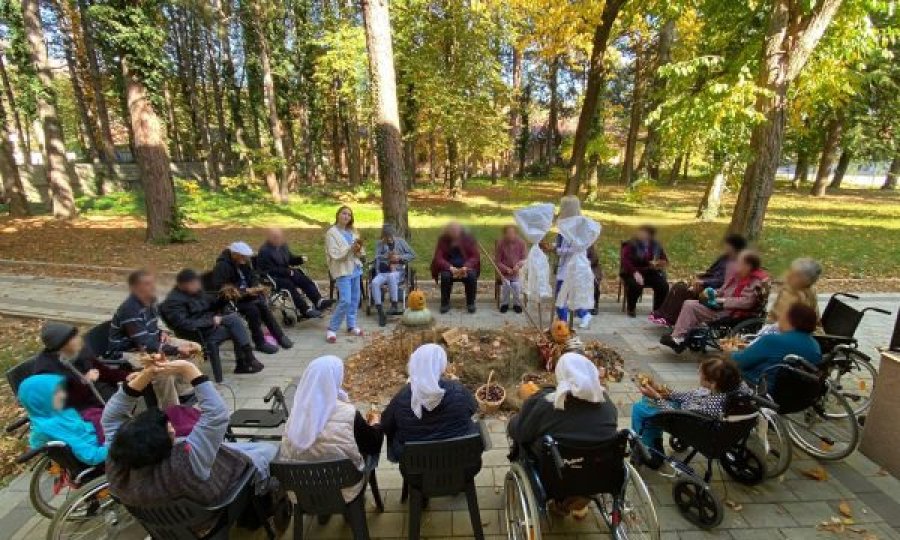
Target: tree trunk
{"x":432,"y":159}
{"x":82,"y":104}
{"x":269,"y":99}
{"x":592,"y":182}
{"x":711,"y":202}
{"x":676,"y":169}
{"x":172,"y":124}
{"x":232,"y":85}
{"x":553,"y":115}
{"x":388,"y":139}
{"x":595,"y":79}
{"x":891,"y":180}
{"x":628,"y":176}
{"x":152,"y":159}
{"x":61,"y":196}
{"x":790,"y":40}
{"x":351,"y":138}
{"x":212,"y":154}
{"x":409,"y":125}
{"x":514,"y":104}
{"x":107,"y":146}
{"x":12,"y":182}
{"x":453,"y":167}
{"x":22,"y":134}
{"x":651,"y":154}
{"x":841,"y":169}
{"x":801,"y":171}
{"x":829,"y":155}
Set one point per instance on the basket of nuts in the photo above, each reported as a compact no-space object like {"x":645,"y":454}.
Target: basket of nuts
{"x":490,"y":396}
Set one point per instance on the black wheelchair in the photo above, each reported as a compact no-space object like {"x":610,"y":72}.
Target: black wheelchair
{"x":279,"y":298}
{"x":709,"y":336}
{"x":598,"y":471}
{"x":726,"y":439}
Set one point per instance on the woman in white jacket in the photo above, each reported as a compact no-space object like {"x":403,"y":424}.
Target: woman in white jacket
{"x":343,"y":250}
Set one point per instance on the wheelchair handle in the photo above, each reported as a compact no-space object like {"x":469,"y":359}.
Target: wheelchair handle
{"x":638,"y":447}
{"x":16,"y":424}
{"x":554,"y":454}
{"x":766,"y":403}
{"x":274,"y":391}
{"x":30,"y":454}
{"x":802,"y":361}
{"x":877,"y":310}
{"x":848,"y":295}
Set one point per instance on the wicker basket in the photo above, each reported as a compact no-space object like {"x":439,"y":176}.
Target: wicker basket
{"x":486,"y":406}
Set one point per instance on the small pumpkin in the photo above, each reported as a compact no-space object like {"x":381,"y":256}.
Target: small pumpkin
{"x":559,"y":331}
{"x":528,"y":389}
{"x":416,"y":300}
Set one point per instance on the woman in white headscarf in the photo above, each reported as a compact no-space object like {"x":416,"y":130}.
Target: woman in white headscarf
{"x":429,"y":407}
{"x":578,"y":408}
{"x":324,"y":425}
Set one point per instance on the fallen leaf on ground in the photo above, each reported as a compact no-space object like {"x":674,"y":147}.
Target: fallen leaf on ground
{"x":844,"y":508}
{"x":737,"y":507}
{"x":816,"y":473}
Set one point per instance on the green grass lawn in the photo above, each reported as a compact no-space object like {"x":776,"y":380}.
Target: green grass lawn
{"x":853,"y":232}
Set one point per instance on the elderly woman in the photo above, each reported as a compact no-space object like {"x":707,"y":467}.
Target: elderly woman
{"x":429,"y":407}
{"x":324,"y":425}
{"x":798,"y":286}
{"x":794,"y":336}
{"x":392,"y":256}
{"x":740,"y":296}
{"x":578,"y":408}
{"x":456,"y":259}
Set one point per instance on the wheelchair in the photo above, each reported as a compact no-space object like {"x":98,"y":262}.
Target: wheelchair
{"x":726,"y":439}
{"x":407,"y":284}
{"x":707,"y":337}
{"x":598,"y":471}
{"x":811,"y":412}
{"x":279,"y":298}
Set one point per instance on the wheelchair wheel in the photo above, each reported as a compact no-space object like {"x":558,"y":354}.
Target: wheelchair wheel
{"x":637,"y":514}
{"x":677,"y":445}
{"x":697,"y":504}
{"x":523,"y":515}
{"x":744,"y":465}
{"x":49,"y":487}
{"x":828,"y":430}
{"x":781,"y":451}
{"x":746,"y":327}
{"x":853,"y":376}
{"x":91,"y":513}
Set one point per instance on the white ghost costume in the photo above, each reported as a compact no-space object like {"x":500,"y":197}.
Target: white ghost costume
{"x":535,"y":221}
{"x":577,"y":291}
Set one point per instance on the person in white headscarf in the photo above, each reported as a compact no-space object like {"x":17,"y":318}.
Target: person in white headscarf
{"x":430,"y":407}
{"x":578,"y":408}
{"x":324,"y":425}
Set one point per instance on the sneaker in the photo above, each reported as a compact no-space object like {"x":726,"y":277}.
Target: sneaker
{"x":325,"y":304}
{"x":504,"y":308}
{"x":395,"y":309}
{"x":670,"y":342}
{"x":266,"y":348}
{"x":517,"y":308}
{"x":254,"y":367}
{"x":330,"y":337}
{"x":285,"y":342}
{"x":312,"y":313}
{"x":631,"y":313}
{"x":445,"y":308}
{"x":585,"y":321}
{"x":358,"y":332}
{"x":470,"y":308}
{"x":657,"y":320}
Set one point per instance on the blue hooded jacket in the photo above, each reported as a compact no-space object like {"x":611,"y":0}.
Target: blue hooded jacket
{"x":50,"y":424}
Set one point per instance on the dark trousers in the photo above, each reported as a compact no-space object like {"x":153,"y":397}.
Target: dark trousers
{"x":257,"y":313}
{"x":297,"y":283}
{"x":470,"y":282}
{"x":652,"y":280}
{"x":678,"y":294}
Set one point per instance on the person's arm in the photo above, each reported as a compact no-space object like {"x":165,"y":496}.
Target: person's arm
{"x":440,"y":259}
{"x":382,"y":264}
{"x":501,"y":265}
{"x":748,"y":299}
{"x":108,"y":374}
{"x":338,"y":250}
{"x":523,"y":428}
{"x":627,"y":263}
{"x":176,"y":313}
{"x":293,"y":260}
{"x":118,"y":408}
{"x":406,"y":251}
{"x":267,"y":264}
{"x":473,"y":255}
{"x":756,"y":353}
{"x":368,"y":438}
{"x":221,"y":276}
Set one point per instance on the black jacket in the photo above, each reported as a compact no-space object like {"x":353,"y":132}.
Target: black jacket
{"x":276,"y":260}
{"x":715,"y":275}
{"x":184,"y":312}
{"x":451,"y":418}
{"x":581,"y":420}
{"x":80,"y":394}
{"x":227,"y":272}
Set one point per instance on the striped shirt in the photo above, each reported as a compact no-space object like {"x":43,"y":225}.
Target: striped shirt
{"x":135,"y":327}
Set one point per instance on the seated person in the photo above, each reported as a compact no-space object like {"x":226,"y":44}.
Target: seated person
{"x":456,"y":259}
{"x":148,"y":465}
{"x":643,"y":265}
{"x":510,"y":254}
{"x":233,"y":278}
{"x":187,"y":309}
{"x":718,"y":377}
{"x":578,"y":409}
{"x":324,"y":425}
{"x":44,"y":399}
{"x":88,"y":382}
{"x":134,"y":330}
{"x":741,"y":296}
{"x":428,"y":408}
{"x":794,"y":336}
{"x":392,"y":257}
{"x":713,"y":277}
{"x":798,"y":286}
{"x":276,"y":260}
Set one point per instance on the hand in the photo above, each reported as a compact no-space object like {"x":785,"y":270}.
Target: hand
{"x":602,"y":371}
{"x":132,"y":376}
{"x":186,"y":350}
{"x":163,"y":337}
{"x":697,"y":286}
{"x":519,"y":266}
{"x":639,"y":278}
{"x":217,"y":320}
{"x":650,"y":392}
{"x":373,"y":418}
{"x":184,"y":369}
{"x":92,"y":375}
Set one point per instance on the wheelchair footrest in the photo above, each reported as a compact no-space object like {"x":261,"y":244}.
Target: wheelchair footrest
{"x":256,"y":418}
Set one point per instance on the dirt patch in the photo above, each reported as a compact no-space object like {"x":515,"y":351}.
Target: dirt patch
{"x":375,"y":373}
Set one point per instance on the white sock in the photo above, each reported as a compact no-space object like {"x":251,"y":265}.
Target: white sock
{"x":678,"y":340}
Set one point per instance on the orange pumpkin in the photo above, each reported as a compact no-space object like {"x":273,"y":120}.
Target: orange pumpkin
{"x":416,"y":300}
{"x":528,"y":389}
{"x":559,"y":331}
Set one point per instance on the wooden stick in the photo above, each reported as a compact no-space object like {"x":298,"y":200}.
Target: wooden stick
{"x":499,"y":273}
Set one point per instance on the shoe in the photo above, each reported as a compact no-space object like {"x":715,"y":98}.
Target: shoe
{"x":631,"y":313}
{"x":358,"y":332}
{"x":312,"y":313}
{"x":517,"y":308}
{"x":266,"y":348}
{"x":285,"y":342}
{"x":382,"y":318}
{"x":585,"y":321}
{"x":657,"y":320}
{"x":470,"y":308}
{"x":254,"y":367}
{"x":595,"y":311}
{"x":330,"y":337}
{"x":325,"y":304}
{"x":445,"y":308}
{"x":670,"y":342}
{"x":395,"y":309}
{"x":504,"y":308}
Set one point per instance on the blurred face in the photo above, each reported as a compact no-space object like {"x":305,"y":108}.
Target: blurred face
{"x":454,"y":230}
{"x":238,"y":258}
{"x":643,"y":235}
{"x":145,"y":288}
{"x":743,"y":268}
{"x":344,"y":217}
{"x":728,"y":250}
{"x":796,"y":280}
{"x":275,"y":237}
{"x":191,"y":287}
{"x":72,"y":347}
{"x":59,"y":398}
{"x":510,"y":233}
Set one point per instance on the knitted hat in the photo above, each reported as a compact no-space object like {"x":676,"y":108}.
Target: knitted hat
{"x":241,"y":248}
{"x":186,"y":276}
{"x":55,"y":335}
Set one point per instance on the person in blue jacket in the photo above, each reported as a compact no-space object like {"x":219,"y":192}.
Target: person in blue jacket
{"x":43,"y":397}
{"x":795,"y":327}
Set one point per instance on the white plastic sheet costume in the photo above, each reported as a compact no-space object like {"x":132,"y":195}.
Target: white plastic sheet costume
{"x":577,"y":291}
{"x":535,"y":221}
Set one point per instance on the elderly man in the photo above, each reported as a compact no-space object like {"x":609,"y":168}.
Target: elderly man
{"x":456,"y":259}
{"x":235,"y":280}
{"x":275,"y":258}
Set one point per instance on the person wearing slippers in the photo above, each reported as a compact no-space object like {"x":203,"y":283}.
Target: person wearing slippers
{"x":343,"y":253}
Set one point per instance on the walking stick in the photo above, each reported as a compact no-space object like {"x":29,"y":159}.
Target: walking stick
{"x":499,"y":273}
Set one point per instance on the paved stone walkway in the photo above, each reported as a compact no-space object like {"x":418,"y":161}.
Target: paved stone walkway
{"x":789,"y":507}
